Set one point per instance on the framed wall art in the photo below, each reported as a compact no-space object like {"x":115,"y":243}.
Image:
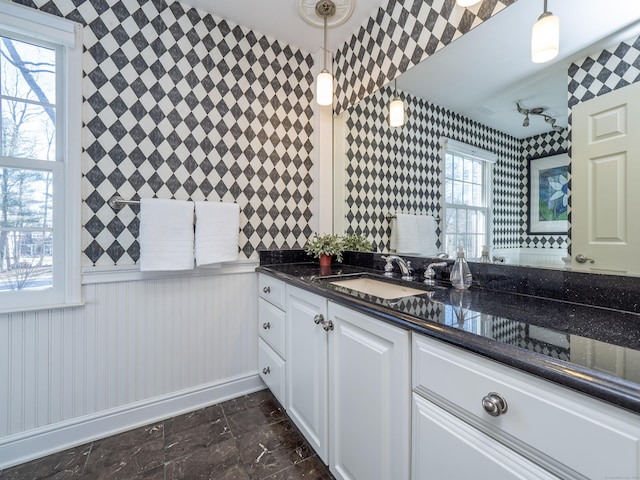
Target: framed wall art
{"x":548,"y":194}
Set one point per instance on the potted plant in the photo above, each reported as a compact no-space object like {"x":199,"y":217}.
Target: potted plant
{"x":356,"y":243}
{"x":324,"y":247}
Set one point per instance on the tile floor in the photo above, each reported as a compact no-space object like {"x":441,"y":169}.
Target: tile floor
{"x":249,"y":437}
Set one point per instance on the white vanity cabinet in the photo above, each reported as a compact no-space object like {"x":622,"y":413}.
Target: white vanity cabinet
{"x":369,"y":397}
{"x":543,"y":429}
{"x":348,"y":387}
{"x":271,"y":335}
{"x":308,"y":367}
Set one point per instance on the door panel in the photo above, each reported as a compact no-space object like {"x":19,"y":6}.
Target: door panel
{"x":605,"y":169}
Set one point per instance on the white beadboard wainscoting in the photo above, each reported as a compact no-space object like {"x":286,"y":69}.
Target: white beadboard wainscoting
{"x":136,"y":352}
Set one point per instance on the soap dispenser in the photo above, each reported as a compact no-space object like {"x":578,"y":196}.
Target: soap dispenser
{"x":460,"y":273}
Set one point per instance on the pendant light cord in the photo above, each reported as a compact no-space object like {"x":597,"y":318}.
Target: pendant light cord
{"x":324,"y":53}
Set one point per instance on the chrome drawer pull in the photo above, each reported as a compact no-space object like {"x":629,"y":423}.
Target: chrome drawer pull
{"x":266,"y":289}
{"x":318,"y":319}
{"x":266,"y":325}
{"x":494,"y":404}
{"x":266,"y":370}
{"x":327,"y":326}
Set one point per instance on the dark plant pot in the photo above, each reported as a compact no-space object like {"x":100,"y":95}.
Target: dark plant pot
{"x":325,"y":260}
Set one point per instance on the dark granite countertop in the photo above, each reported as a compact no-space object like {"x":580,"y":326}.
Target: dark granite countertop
{"x":566,"y":343}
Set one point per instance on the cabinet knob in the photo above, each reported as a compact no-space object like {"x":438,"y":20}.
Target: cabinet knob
{"x":494,"y":404}
{"x":327,"y":326}
{"x":266,"y":325}
{"x":266,"y":289}
{"x":318,"y":319}
{"x":580,"y":258}
{"x":266,"y":370}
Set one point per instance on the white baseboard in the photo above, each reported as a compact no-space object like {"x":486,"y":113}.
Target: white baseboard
{"x":40,"y":442}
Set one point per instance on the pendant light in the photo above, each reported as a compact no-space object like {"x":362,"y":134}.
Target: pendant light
{"x":545,"y":37}
{"x":396,"y":108}
{"x":467,"y":3}
{"x":324,"y":82}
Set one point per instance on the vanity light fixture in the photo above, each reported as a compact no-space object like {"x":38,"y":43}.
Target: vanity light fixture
{"x":539,"y":111}
{"x":467,"y":3}
{"x":396,"y":108}
{"x":545,"y":37}
{"x":324,"y":82}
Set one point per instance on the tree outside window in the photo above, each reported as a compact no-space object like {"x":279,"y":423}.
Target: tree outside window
{"x":27,"y":158}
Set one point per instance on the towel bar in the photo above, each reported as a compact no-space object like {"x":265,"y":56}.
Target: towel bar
{"x":393,"y":215}
{"x":117,"y":202}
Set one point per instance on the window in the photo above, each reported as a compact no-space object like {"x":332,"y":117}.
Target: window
{"x":40,"y":101}
{"x":467,"y":198}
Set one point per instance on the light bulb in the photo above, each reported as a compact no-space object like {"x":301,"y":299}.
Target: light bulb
{"x":545,"y":38}
{"x":467,"y":3}
{"x":324,"y":88}
{"x":396,"y":113}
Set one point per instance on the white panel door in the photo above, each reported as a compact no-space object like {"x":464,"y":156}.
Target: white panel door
{"x":370,"y":395}
{"x":605,"y":170}
{"x":306,"y":367}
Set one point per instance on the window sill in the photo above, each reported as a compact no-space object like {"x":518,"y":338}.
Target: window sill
{"x":38,"y":308}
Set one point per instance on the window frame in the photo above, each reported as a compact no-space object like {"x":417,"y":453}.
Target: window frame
{"x":28,"y":24}
{"x":488,"y":160}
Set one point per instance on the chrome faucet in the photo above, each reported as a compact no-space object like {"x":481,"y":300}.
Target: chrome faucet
{"x":430,"y":273}
{"x":405,"y":266}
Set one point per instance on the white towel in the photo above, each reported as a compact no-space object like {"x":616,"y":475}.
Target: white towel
{"x":427,"y":235}
{"x":393,"y":239}
{"x":407,"y":241}
{"x":217,"y":228}
{"x":166,"y":234}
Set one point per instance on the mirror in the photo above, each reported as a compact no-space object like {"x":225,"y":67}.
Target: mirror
{"x":468,"y":92}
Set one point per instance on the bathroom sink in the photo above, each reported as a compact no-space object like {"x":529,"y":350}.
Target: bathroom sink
{"x":378,"y":288}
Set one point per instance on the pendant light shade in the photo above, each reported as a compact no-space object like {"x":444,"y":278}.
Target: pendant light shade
{"x":467,"y":3}
{"x":324,"y":88}
{"x":324,"y":82}
{"x":396,"y":113}
{"x":396,"y":109}
{"x":545,"y":37}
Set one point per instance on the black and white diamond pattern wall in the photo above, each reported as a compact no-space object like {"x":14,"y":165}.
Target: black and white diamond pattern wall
{"x":397,"y":170}
{"x":401,"y":35}
{"x":605,"y":71}
{"x":181,"y":104}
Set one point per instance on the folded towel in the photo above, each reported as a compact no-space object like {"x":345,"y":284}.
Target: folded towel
{"x":393,"y":239}
{"x":166,"y":234}
{"x":407,"y":235}
{"x":427,"y":235}
{"x":217,"y":228}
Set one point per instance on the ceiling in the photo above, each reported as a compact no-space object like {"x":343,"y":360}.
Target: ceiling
{"x":279,"y":19}
{"x":484,"y":73}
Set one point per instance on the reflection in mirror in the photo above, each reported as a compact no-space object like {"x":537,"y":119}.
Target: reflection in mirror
{"x":468,"y":92}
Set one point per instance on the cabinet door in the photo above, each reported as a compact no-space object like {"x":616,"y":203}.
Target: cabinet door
{"x":307,"y":377}
{"x":369,"y":400}
{"x":446,"y":447}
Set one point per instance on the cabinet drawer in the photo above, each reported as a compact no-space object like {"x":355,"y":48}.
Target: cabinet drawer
{"x":271,"y":370}
{"x":271,"y":290}
{"x":437,"y":433}
{"x":591,"y":437}
{"x":271,"y":325}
